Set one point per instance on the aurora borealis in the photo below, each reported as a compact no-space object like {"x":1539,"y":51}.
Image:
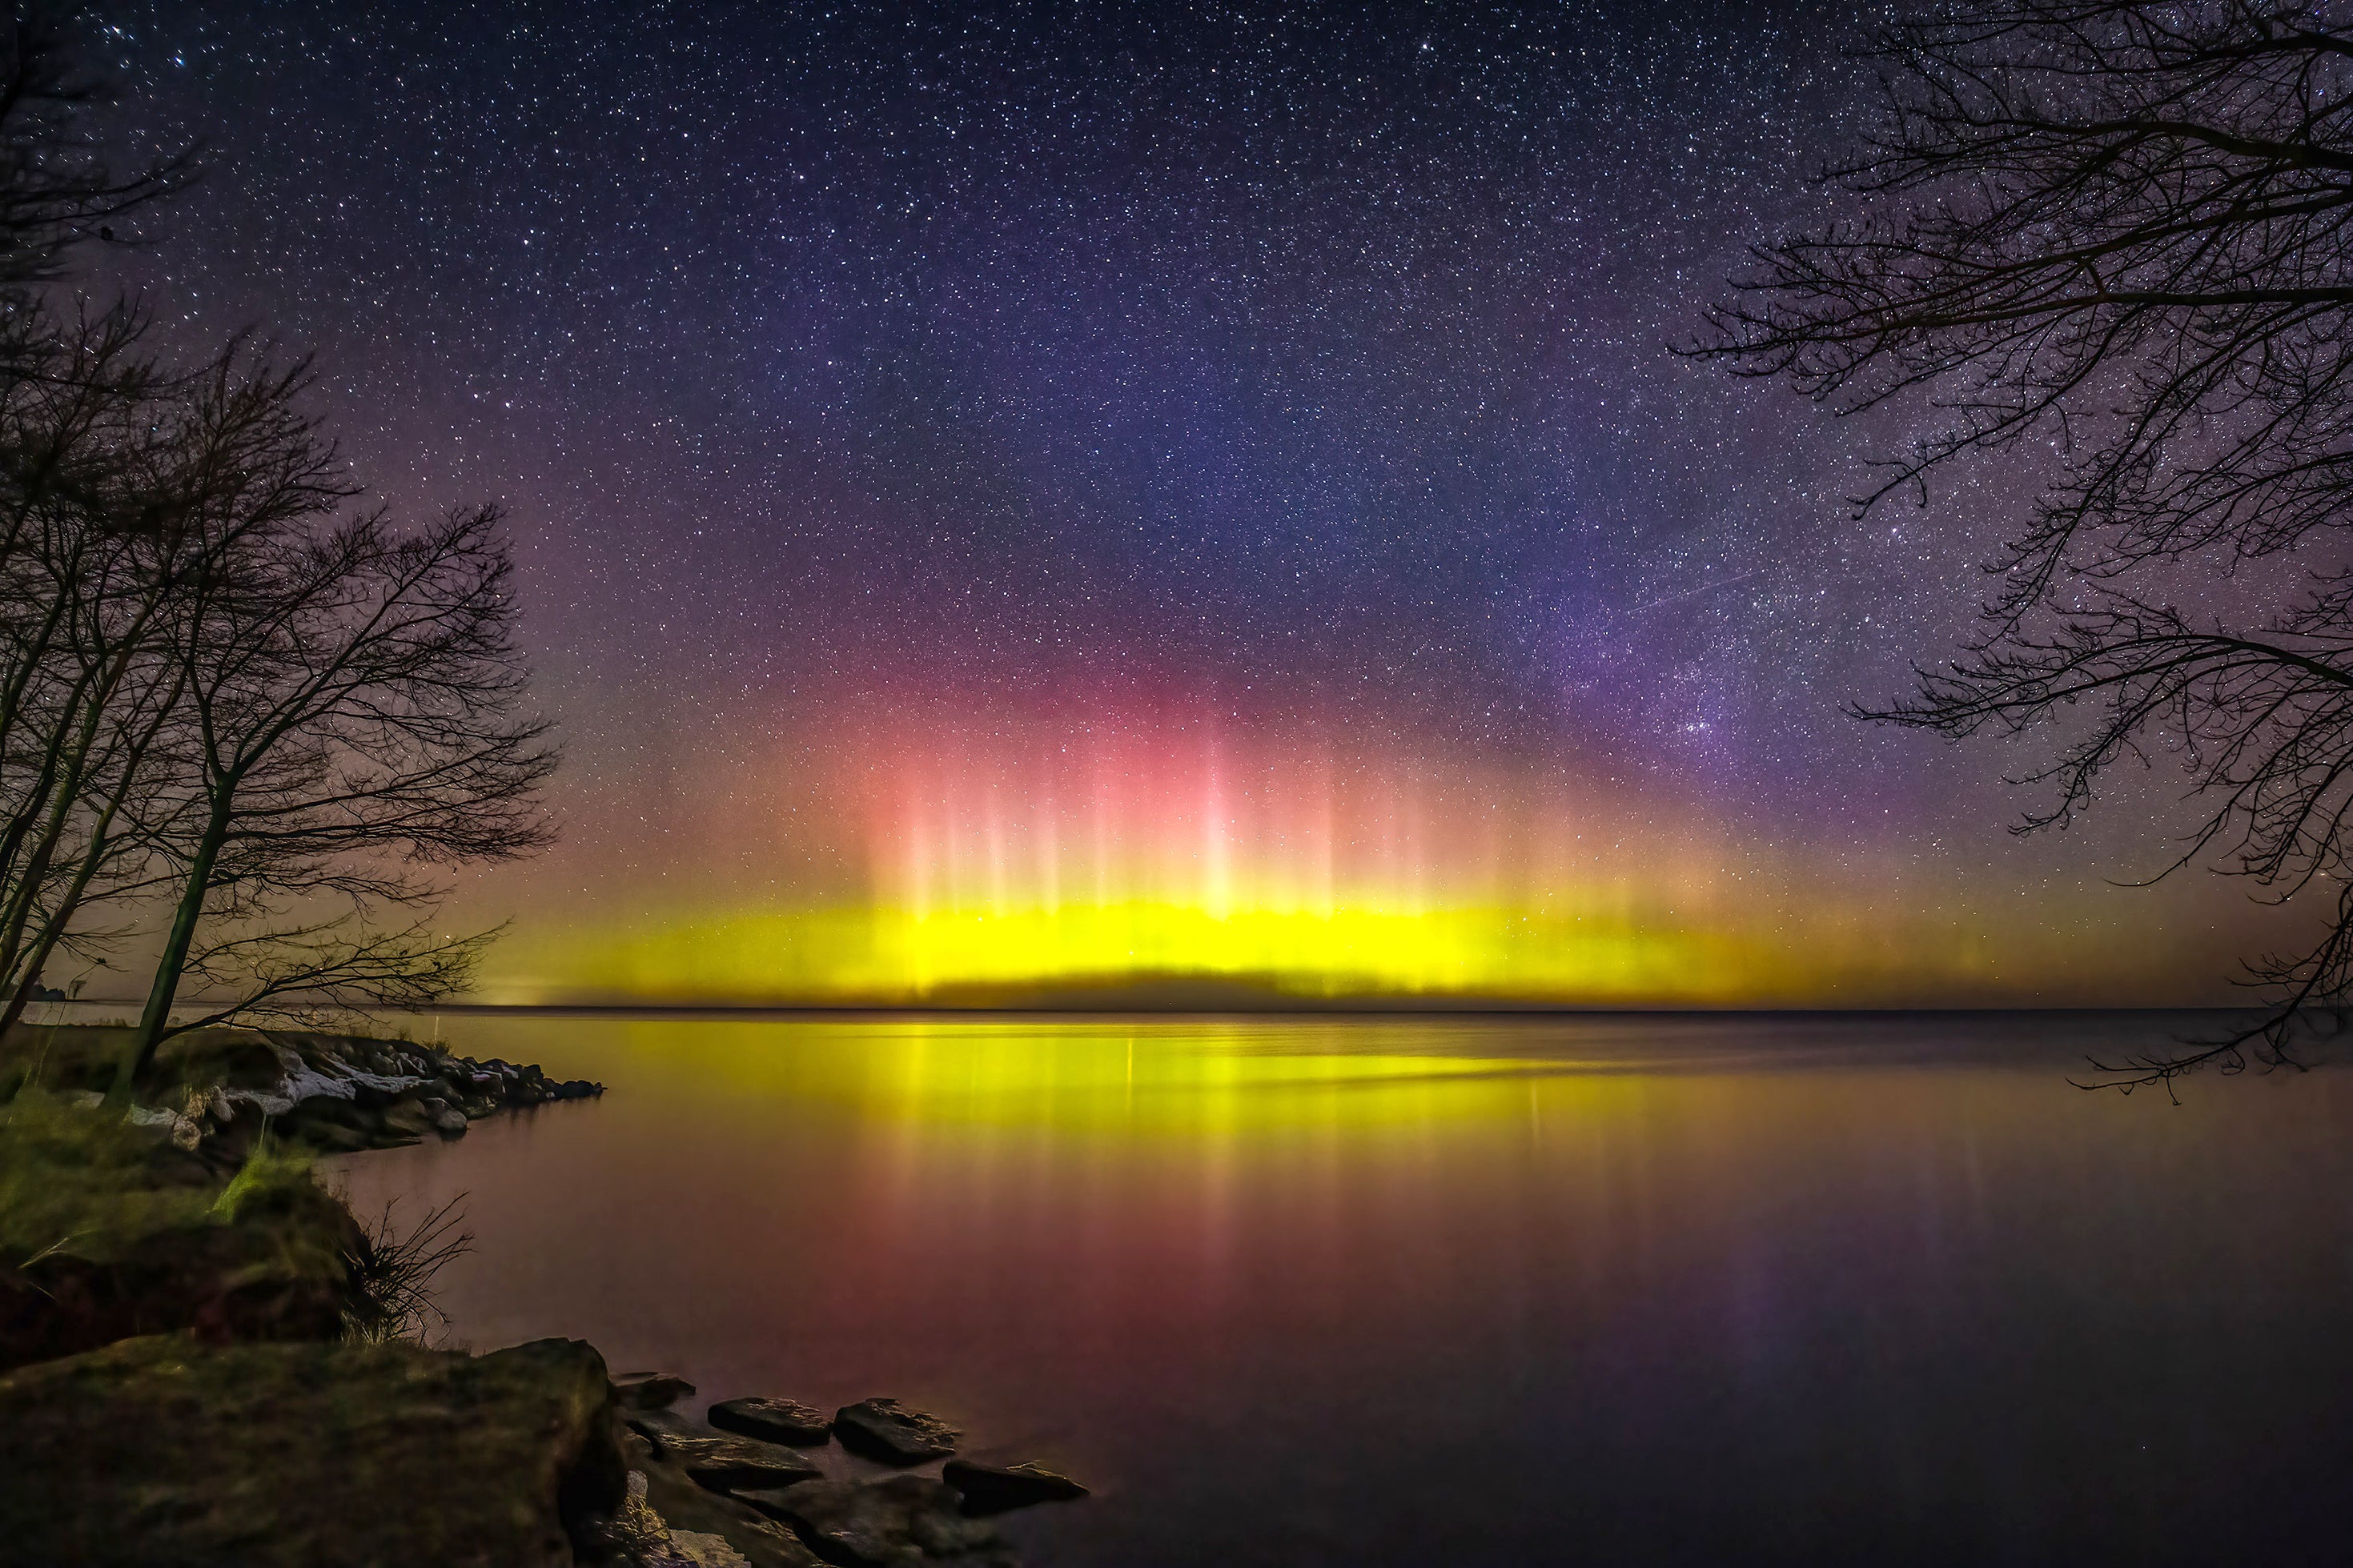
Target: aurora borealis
{"x":1168,"y":504}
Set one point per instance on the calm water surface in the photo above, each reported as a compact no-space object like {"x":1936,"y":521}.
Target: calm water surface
{"x":1442,"y":1292}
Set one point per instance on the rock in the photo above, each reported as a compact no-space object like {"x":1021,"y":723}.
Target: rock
{"x":994,"y":1488}
{"x":706,"y":1549}
{"x":407,"y":1118}
{"x":159,"y":1450}
{"x":886,"y":1431}
{"x":651,"y":1390}
{"x":450,"y":1122}
{"x":633,"y":1536}
{"x":898,"y":1524}
{"x":150,"y":1242}
{"x":577,"y":1089}
{"x":774,"y":1420}
{"x":687,"y":1507}
{"x":726,"y":1464}
{"x":182,"y":1130}
{"x":654,"y":1426}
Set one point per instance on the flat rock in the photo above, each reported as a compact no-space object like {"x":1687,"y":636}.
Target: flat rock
{"x":994,"y":1488}
{"x":728,"y":1464}
{"x":773,"y":1420}
{"x":903,"y":1523}
{"x":888,"y":1432}
{"x":651,"y":1390}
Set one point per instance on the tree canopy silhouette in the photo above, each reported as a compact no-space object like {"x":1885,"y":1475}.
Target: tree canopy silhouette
{"x":233,"y":703}
{"x":2120,"y":236}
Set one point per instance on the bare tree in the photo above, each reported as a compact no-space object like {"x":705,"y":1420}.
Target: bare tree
{"x":353,"y":710}
{"x":77,"y":391}
{"x":188,"y":469}
{"x":68,"y":441}
{"x":222,"y":691}
{"x":2123,"y":231}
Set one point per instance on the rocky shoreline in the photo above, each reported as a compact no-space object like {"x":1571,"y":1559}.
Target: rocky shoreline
{"x":190,"y":1375}
{"x":334,"y":1094}
{"x":769,"y":1483}
{"x":341,"y":1093}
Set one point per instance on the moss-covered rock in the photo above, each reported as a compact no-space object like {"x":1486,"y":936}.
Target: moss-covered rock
{"x":107,"y":1232}
{"x":161,"y":1451}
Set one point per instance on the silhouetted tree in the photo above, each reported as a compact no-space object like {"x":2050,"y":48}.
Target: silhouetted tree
{"x":187,"y":471}
{"x":221,"y":690}
{"x":2123,"y":233}
{"x":352,"y":710}
{"x":76,"y":399}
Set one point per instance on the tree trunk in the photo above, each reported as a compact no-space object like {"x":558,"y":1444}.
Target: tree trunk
{"x":60,"y":919}
{"x":18,"y":915}
{"x":151,"y":1023}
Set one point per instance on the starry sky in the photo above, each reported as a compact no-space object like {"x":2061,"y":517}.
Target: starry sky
{"x":1173,"y":502}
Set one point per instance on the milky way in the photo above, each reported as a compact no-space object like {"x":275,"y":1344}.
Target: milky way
{"x":929,"y":392}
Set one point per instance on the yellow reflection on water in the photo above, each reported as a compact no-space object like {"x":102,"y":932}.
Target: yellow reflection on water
{"x":1128,"y":1079}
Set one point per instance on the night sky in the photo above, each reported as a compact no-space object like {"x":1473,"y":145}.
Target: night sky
{"x":1003,"y":488}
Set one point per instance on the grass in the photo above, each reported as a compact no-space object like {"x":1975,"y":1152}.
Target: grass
{"x":393,"y":1272}
{"x":68,"y":1057}
{"x":82,"y":1181}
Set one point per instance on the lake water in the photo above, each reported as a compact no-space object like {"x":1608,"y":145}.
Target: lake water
{"x":1462,"y":1292}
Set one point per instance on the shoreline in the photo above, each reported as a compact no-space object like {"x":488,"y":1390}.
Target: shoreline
{"x":231,"y":1373}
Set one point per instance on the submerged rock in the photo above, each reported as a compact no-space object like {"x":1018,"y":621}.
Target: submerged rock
{"x":774,"y":1420}
{"x":898,"y":1524}
{"x":994,"y":1488}
{"x":886,"y":1431}
{"x":654,"y":1426}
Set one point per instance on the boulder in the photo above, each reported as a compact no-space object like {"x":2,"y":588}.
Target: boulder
{"x":889,"y":1433}
{"x":773,"y":1420}
{"x":450,"y":1122}
{"x":898,"y":1524}
{"x":407,"y":1119}
{"x":651,"y":1390}
{"x":160,"y":1450}
{"x":994,"y":1488}
{"x":106,"y":1235}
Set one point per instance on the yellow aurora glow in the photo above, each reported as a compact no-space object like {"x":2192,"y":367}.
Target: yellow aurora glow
{"x":1168,"y":952}
{"x":1175,"y":863}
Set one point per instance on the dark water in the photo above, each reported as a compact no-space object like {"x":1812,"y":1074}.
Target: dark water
{"x":1373,"y":1293}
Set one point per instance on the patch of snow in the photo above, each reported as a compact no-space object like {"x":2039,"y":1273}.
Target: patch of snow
{"x":303,"y":1081}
